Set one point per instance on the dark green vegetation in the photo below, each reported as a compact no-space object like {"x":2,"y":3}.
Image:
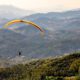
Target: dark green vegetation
{"x":62,"y":68}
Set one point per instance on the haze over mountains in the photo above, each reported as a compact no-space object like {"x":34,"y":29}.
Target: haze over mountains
{"x":62,"y":33}
{"x":11,"y":12}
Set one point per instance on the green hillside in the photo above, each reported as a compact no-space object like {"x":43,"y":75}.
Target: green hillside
{"x":61,"y":68}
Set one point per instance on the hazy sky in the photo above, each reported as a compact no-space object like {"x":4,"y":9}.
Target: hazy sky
{"x":43,"y":5}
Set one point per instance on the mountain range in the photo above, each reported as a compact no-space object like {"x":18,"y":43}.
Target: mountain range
{"x":62,"y":35}
{"x":8,"y":12}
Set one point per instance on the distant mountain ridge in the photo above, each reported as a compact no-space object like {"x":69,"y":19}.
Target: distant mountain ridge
{"x":11,"y":12}
{"x":62,"y":35}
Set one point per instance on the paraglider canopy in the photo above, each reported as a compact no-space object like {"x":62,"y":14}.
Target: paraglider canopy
{"x":23,"y":21}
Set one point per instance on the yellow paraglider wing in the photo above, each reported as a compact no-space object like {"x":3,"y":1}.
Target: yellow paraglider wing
{"x":22,"y":21}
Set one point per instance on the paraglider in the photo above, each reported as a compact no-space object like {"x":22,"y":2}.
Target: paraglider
{"x":25,"y":22}
{"x":22,"y":21}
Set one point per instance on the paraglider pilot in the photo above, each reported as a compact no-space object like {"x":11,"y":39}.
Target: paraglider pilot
{"x":19,"y":53}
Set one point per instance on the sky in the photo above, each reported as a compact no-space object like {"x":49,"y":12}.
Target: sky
{"x":43,"y":5}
